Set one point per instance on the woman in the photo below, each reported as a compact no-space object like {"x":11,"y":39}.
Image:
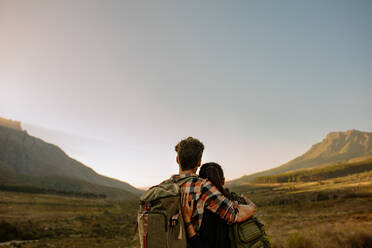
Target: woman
{"x":214,"y":230}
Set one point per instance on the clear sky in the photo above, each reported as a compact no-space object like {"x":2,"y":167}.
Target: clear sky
{"x":116,"y":84}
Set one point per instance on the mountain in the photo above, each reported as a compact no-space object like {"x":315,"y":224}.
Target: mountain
{"x":336,"y":147}
{"x":29,"y":159}
{"x":328,"y":171}
{"x":10,"y":124}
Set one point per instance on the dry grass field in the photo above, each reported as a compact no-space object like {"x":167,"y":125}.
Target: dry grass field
{"x":330,"y":213}
{"x":55,"y":221}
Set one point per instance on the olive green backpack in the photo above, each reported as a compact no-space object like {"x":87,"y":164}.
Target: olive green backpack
{"x":248,"y":234}
{"x":160,"y":222}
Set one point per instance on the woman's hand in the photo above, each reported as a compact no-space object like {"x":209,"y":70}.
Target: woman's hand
{"x":187,"y":207}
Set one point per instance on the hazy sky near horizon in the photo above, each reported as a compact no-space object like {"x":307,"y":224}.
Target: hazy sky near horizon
{"x":116,"y":84}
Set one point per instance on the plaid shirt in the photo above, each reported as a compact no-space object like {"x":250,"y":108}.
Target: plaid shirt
{"x":206,"y":195}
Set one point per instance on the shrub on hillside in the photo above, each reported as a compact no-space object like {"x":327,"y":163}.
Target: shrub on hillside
{"x":356,"y":239}
{"x":7,"y":232}
{"x":10,"y":232}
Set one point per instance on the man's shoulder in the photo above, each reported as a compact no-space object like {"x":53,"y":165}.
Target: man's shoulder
{"x":197,"y":184}
{"x":188,"y":178}
{"x":177,"y":177}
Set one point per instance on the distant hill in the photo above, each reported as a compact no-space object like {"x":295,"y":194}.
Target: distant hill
{"x":336,"y":147}
{"x":334,"y":170}
{"x":10,"y":181}
{"x":24,"y":158}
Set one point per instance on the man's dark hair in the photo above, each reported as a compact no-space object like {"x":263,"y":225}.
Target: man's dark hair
{"x":190,"y":151}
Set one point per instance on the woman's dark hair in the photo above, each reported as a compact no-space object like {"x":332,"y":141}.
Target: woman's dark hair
{"x":214,"y":173}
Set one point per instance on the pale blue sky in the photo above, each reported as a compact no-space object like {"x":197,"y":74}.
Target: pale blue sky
{"x":117,"y":84}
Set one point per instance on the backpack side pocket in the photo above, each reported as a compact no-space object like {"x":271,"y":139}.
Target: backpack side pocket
{"x":248,"y":231}
{"x":157,"y":232}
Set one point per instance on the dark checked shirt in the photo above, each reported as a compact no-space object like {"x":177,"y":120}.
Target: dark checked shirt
{"x":207,"y":196}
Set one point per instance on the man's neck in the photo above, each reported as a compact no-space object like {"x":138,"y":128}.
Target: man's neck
{"x":187,"y":171}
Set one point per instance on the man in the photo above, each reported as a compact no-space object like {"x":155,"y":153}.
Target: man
{"x":203,"y":193}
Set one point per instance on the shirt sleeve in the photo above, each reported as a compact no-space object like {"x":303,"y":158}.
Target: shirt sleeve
{"x":216,"y":202}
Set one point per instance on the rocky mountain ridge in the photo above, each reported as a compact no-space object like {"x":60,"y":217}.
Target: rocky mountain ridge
{"x":23,"y":154}
{"x":16,"y":125}
{"x":335,"y":147}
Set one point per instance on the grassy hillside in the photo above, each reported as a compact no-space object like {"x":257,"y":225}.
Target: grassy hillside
{"x":316,"y":174}
{"x":336,"y":147}
{"x":10,"y":181}
{"x":25,"y":155}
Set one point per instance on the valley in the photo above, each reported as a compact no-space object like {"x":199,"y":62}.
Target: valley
{"x":327,"y":213}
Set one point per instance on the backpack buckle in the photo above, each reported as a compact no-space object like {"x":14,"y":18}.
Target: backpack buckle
{"x":147,"y":207}
{"x":174,"y":222}
{"x":174,"y":219}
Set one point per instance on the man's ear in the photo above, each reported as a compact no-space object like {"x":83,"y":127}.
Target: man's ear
{"x":178,"y":160}
{"x":199,"y":163}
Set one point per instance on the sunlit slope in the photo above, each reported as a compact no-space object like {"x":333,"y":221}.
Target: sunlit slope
{"x":10,"y":181}
{"x":336,"y":147}
{"x":28,"y":156}
{"x":318,"y":173}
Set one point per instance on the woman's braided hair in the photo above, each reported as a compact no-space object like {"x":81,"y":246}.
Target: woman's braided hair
{"x":214,"y":173}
